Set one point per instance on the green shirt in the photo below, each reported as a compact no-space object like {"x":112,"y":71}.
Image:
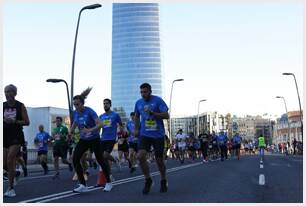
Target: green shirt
{"x":59,"y":135}
{"x":261,"y":142}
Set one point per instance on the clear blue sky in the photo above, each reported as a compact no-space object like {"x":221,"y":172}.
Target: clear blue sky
{"x":233,"y":55}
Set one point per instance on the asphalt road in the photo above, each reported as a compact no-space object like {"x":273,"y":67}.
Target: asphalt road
{"x":231,"y":181}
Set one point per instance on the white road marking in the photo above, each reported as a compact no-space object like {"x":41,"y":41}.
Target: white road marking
{"x":69,"y":193}
{"x":261,"y":179}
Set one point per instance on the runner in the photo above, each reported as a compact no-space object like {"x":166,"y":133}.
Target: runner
{"x":222,"y":139}
{"x":110,"y":121}
{"x":15,"y":116}
{"x":181,"y":143}
{"x":167,"y":147}
{"x":237,"y":144}
{"x":89,"y":124}
{"x":214,"y":142}
{"x":204,"y":140}
{"x":60,"y":149}
{"x":41,"y":141}
{"x":151,"y":110}
{"x":75,"y":140}
{"x":123,"y":147}
{"x":261,"y":146}
{"x":133,"y":142}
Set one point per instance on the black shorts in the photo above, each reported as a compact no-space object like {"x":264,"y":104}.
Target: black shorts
{"x":134,"y":146}
{"x":237,"y":146}
{"x":107,"y":146}
{"x":14,"y":139}
{"x":123,"y":147}
{"x":158,"y":144}
{"x":42,"y":152}
{"x":60,"y":151}
{"x":191,"y":148}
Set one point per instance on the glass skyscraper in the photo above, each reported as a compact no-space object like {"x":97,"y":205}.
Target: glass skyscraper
{"x":136,"y":54}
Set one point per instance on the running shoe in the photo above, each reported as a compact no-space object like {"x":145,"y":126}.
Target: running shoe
{"x":108,"y":187}
{"x":133,"y":169}
{"x":10,"y":193}
{"x":80,"y":189}
{"x":147,"y":187}
{"x":163,"y":186}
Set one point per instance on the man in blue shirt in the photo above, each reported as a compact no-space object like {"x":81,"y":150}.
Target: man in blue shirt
{"x":133,"y":146}
{"x":110,"y":121}
{"x":237,"y":144}
{"x":222,"y":140}
{"x":41,"y":141}
{"x":151,"y":110}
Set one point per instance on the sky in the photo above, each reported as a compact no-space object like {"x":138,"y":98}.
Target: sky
{"x":232,"y":54}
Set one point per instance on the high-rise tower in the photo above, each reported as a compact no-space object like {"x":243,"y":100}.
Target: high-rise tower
{"x":136,"y":54}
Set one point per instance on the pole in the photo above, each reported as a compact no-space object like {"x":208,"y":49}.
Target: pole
{"x":93,"y":6}
{"x":198,"y":118}
{"x":73,"y":58}
{"x":301,"y":118}
{"x":69,"y":105}
{"x":289,"y":129}
{"x":170,"y":137}
{"x":170,"y":129}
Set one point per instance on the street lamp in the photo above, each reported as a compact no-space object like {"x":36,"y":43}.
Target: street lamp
{"x":297,"y":90}
{"x":176,"y":80}
{"x":69,"y":105}
{"x":198,"y":119}
{"x":93,"y":6}
{"x":289,"y":130}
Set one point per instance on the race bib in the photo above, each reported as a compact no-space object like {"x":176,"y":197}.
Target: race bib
{"x":10,"y":114}
{"x":57,"y":137}
{"x":150,"y":125}
{"x":85,"y":135}
{"x":40,"y":144}
{"x":107,"y":123}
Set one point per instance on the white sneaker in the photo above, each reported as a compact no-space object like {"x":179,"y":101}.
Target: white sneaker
{"x":10,"y":193}
{"x":81,"y":188}
{"x":108,"y":187}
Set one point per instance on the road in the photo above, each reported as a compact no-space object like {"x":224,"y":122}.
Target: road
{"x":231,"y":181}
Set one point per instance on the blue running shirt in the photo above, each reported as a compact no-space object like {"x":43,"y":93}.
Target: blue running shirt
{"x":86,"y":119}
{"x":110,"y":123}
{"x":42,"y":139}
{"x":130,"y":128}
{"x":149,"y":125}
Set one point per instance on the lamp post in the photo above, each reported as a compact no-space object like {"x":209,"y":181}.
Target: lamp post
{"x":69,"y":105}
{"x":297,"y":90}
{"x":176,"y":80}
{"x":289,"y":129}
{"x":198,"y":119}
{"x":93,"y":6}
